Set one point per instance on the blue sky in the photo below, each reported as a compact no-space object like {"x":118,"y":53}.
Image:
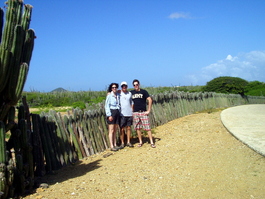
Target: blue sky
{"x":87,"y":44}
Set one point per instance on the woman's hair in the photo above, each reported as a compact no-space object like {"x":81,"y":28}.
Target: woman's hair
{"x":110,"y":89}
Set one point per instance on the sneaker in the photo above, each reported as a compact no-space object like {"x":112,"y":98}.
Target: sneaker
{"x":121,"y":146}
{"x":129,"y":145}
{"x":117,"y":148}
{"x":114,"y":149}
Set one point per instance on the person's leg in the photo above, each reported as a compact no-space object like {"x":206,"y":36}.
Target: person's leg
{"x":114,"y":135}
{"x":139,"y":133}
{"x":122,"y":130}
{"x":111,"y":131}
{"x":122,"y":135}
{"x":128,"y":132}
{"x":146,"y":126}
{"x":137,"y":126}
{"x":151,"y":138}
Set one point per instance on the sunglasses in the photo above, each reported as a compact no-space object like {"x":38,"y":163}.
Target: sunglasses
{"x":113,"y":87}
{"x":135,"y":84}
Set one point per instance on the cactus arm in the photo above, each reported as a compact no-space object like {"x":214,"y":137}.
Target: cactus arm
{"x":18,"y":43}
{"x":15,"y":64}
{"x":26,"y":17}
{"x":11,"y":118}
{"x":18,"y":10}
{"x":1,"y":22}
{"x":5,"y":57}
{"x":9,"y":25}
{"x":16,"y":87}
{"x":28,"y":46}
{"x":21,"y":80}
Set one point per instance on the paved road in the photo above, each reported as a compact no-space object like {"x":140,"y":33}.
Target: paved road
{"x":247,"y":123}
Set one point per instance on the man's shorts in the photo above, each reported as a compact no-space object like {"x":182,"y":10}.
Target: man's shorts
{"x":126,"y":121}
{"x":115,"y":113}
{"x":141,"y":121}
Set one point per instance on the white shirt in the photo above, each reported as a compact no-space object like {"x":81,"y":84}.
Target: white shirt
{"x":126,"y":104}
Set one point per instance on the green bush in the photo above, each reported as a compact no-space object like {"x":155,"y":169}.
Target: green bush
{"x":79,"y":104}
{"x":255,"y":88}
{"x":226,"y":84}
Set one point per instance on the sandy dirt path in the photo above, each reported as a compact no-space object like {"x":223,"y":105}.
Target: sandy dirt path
{"x":196,"y":157}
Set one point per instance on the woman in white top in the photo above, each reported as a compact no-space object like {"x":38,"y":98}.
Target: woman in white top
{"x":112,"y":109}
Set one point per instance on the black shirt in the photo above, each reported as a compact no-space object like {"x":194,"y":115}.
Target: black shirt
{"x":139,"y":100}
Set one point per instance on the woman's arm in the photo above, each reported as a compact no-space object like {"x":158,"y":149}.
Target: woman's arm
{"x":107,"y":106}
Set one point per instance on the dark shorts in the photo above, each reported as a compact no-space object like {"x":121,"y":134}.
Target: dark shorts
{"x":126,"y":121}
{"x":115,"y":113}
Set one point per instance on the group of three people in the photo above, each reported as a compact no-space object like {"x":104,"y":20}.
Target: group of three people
{"x":124,"y":108}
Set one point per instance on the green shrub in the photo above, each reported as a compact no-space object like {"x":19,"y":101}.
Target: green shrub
{"x":79,"y":104}
{"x":255,"y":88}
{"x":226,"y":84}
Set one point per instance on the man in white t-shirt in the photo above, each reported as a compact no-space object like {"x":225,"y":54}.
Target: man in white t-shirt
{"x":126,"y":114}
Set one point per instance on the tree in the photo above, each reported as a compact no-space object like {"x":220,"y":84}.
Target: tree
{"x":226,"y":84}
{"x":255,"y":88}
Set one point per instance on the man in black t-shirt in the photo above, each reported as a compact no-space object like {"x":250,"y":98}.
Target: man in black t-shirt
{"x":140,"y":114}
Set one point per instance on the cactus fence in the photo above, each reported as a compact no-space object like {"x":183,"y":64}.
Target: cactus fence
{"x":40,"y":144}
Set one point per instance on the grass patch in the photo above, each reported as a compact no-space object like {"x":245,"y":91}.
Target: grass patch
{"x":47,"y":109}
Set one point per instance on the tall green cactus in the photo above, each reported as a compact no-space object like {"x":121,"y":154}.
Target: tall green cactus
{"x":17,"y":42}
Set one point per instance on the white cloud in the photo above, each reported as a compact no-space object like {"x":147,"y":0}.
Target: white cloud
{"x":248,"y":66}
{"x":178,"y":15}
{"x":229,"y":57}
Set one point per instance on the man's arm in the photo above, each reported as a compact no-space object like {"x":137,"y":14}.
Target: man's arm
{"x":132,"y":106}
{"x":131,"y":101}
{"x":150,"y":101}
